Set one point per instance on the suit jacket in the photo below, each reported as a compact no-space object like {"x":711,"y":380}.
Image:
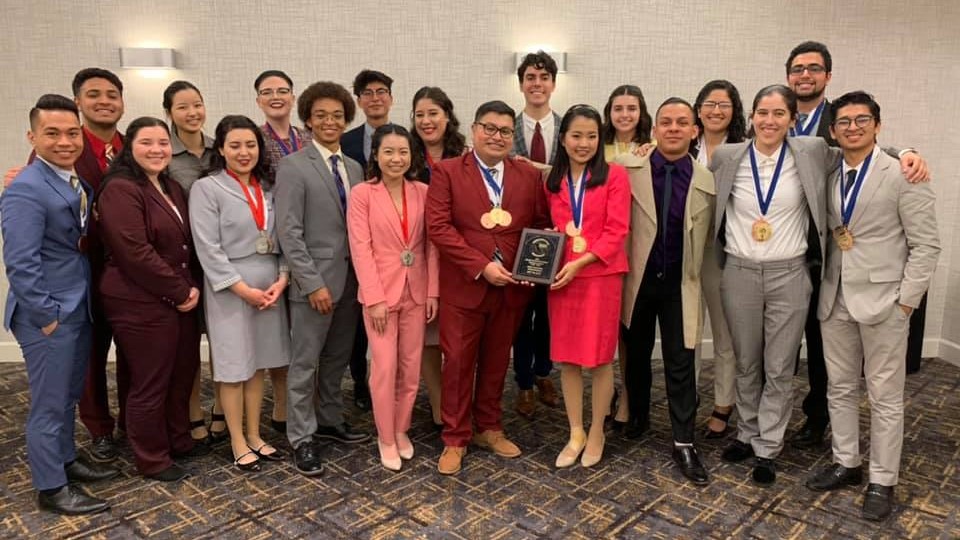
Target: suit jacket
{"x":456,"y":199}
{"x":223,"y":227}
{"x":311,"y":223}
{"x":895,"y":247}
{"x":520,"y":144}
{"x":48,"y":275}
{"x":351,"y":143}
{"x":150,"y":256}
{"x":376,"y":241}
{"x":814,"y":159}
{"x":823,"y":129}
{"x":697,"y":219}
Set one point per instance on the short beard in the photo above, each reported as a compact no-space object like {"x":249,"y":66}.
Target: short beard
{"x":812,"y":97}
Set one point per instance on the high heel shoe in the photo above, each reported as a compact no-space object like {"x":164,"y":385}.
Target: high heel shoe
{"x":589,"y":460}
{"x":404,"y":446}
{"x":570,"y":453}
{"x":217,"y":435}
{"x":389,"y":457}
{"x":253,"y":466}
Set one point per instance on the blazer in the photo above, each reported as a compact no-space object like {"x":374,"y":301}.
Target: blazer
{"x":40,"y":218}
{"x":605,"y":223}
{"x":376,"y":241}
{"x":150,"y":256}
{"x":520,"y":144}
{"x":895,"y":246}
{"x":311,"y":223}
{"x":698,"y":222}
{"x":223,"y":227}
{"x":351,"y":143}
{"x":456,"y":199}
{"x":814,"y":159}
{"x":823,"y":129}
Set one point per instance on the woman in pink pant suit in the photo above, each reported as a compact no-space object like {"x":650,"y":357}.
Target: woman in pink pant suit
{"x":397,"y":269}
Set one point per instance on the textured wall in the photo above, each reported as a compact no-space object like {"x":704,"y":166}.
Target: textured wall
{"x":903,"y":53}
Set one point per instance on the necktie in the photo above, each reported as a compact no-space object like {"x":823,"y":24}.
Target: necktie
{"x":338,"y":180}
{"x":108,"y":153}
{"x":538,"y":151}
{"x":848,"y":185}
{"x":75,"y":184}
{"x":802,"y":119}
{"x":665,"y":205}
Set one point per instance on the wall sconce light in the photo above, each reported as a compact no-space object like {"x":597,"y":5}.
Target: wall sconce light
{"x":559,"y":57}
{"x":146,"y":58}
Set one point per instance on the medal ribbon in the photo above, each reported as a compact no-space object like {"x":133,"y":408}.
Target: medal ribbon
{"x":576,"y":199}
{"x":497,"y":190}
{"x":764,"y":202}
{"x":256,"y":208}
{"x":294,"y":143}
{"x":812,"y":121}
{"x":404,"y":217}
{"x":849,"y":202}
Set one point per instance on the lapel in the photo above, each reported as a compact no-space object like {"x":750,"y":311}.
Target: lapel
{"x":798,"y":149}
{"x":63,"y":189}
{"x":387,"y":209}
{"x":556,"y":137}
{"x":231,"y":186}
{"x":871,"y":185}
{"x":704,"y":183}
{"x":519,"y":145}
{"x":509,"y":171}
{"x":641,"y":184}
{"x":157,"y":197}
{"x":726,"y":175}
{"x":326,"y":177}
{"x":479,"y":185}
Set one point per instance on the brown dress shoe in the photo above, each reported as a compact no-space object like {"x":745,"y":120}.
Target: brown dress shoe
{"x":526,"y":403}
{"x":548,"y":393}
{"x":450,"y":459}
{"x":496,"y":442}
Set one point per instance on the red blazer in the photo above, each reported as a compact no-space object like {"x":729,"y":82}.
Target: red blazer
{"x":606,"y":221}
{"x":150,"y":256}
{"x":376,"y":241}
{"x":455,"y":201}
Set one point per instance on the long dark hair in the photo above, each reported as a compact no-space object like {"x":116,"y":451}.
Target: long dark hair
{"x":641,"y":134}
{"x":124,"y":165}
{"x":453,"y":141}
{"x":170,"y":91}
{"x":237,"y":121}
{"x":373,"y":167}
{"x":737,"y":130}
{"x":561,"y":164}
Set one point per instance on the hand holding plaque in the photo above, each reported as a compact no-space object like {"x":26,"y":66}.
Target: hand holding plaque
{"x":538,"y":256}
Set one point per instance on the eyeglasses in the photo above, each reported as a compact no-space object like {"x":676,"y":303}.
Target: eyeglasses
{"x":814,"y":69}
{"x":323,"y":116}
{"x":379,"y":92}
{"x":491,"y":129}
{"x":279,"y":92}
{"x":711,"y":105}
{"x":861,"y":121}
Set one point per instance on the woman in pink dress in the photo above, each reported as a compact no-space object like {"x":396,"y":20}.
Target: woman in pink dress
{"x":590,"y":203}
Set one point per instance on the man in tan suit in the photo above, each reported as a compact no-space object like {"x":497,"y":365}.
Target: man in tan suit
{"x":670,"y":220}
{"x":882,"y":253}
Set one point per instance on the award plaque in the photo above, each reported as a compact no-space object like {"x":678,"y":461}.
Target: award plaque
{"x":538,"y":256}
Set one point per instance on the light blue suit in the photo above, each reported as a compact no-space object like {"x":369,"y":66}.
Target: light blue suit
{"x":49,"y":280}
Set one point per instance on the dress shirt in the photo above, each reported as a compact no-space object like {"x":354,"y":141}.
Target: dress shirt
{"x":666,"y":258}
{"x":185,"y":167}
{"x":99,"y":147}
{"x":788,"y":214}
{"x":367,"y":140}
{"x":497,"y":177}
{"x":838,"y":193}
{"x":64,"y":174}
{"x":341,"y":166}
{"x":547,"y":131}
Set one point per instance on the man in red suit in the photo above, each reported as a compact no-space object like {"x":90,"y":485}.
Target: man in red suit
{"x":477,"y":206}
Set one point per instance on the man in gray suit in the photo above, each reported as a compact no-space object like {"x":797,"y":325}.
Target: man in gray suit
{"x":879,"y":263}
{"x":313,"y":187}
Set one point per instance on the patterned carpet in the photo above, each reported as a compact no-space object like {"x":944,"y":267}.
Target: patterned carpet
{"x":635,"y":492}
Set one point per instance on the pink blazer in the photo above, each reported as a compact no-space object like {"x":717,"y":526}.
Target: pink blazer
{"x":376,"y":242}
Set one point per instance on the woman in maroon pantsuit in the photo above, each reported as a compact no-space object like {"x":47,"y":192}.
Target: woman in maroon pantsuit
{"x":150,"y":289}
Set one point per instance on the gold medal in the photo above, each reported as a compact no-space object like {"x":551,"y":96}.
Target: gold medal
{"x":844,"y":238}
{"x":571,"y":229}
{"x":762,"y":231}
{"x":486,"y":221}
{"x":505,"y":218}
{"x":579,"y":244}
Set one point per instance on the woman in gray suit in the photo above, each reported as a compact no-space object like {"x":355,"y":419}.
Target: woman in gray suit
{"x":232,"y":218}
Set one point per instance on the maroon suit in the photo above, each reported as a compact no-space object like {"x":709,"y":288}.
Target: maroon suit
{"x":478,"y":320}
{"x":150,"y":267}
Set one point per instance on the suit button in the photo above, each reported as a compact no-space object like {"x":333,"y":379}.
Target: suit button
{"x":185,"y":247}
{"x":183,"y":265}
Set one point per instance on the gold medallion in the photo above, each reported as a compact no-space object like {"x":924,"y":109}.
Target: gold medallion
{"x":571,"y":229}
{"x":579,"y":244}
{"x":844,"y":238}
{"x":762,"y":231}
{"x":486,"y":221}
{"x":502,"y":217}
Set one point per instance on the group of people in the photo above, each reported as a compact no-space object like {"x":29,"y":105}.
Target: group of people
{"x":298,"y":250}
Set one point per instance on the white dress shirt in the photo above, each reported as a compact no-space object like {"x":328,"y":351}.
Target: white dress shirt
{"x":547,"y":130}
{"x":838,"y":193}
{"x":341,"y":166}
{"x":497,"y":171}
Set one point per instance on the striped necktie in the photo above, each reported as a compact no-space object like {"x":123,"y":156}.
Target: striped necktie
{"x":75,"y":184}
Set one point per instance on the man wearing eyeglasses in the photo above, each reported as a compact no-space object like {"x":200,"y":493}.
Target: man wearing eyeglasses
{"x":477,"y":207}
{"x":879,"y":262}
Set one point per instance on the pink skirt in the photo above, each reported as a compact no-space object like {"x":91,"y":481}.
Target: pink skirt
{"x":585,"y":320}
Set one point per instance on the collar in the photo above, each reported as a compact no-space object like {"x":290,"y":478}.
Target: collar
{"x":875,"y":154}
{"x":177,"y":147}
{"x":99,"y":147}
{"x":763,"y":157}
{"x":498,"y":167}
{"x":531,"y":123}
{"x":64,"y":174}
{"x":325,"y":152}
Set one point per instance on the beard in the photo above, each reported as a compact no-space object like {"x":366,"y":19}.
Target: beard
{"x":812,"y":96}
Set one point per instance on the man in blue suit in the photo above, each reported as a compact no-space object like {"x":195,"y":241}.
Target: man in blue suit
{"x":44,"y":216}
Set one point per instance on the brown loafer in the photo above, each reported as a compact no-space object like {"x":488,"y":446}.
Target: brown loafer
{"x":496,"y":442}
{"x":526,"y":403}
{"x":548,"y":393}
{"x":451,"y":459}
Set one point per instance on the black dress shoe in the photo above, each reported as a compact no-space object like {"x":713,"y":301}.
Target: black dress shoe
{"x":688,"y":461}
{"x":306,"y":459}
{"x":361,"y":397}
{"x":736,"y":452}
{"x":173,"y":473}
{"x":71,"y":501}
{"x":835,"y":476}
{"x":878,"y":502}
{"x":103,"y":449}
{"x":342,"y":433}
{"x":809,"y":436}
{"x":617,"y":426}
{"x":636,"y":428}
{"x":199,"y":449}
{"x":764,"y":472}
{"x":280,"y":426}
{"x":82,"y":471}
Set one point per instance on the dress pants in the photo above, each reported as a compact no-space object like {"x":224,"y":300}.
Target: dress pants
{"x":659,"y":299}
{"x":724,"y":361}
{"x":358,"y":356}
{"x":95,"y":403}
{"x":881,"y":347}
{"x":321,"y":346}
{"x":476,"y":353}
{"x":815,"y":403}
{"x":56,"y":365}
{"x":766,"y":307}
{"x":163,"y":348}
{"x":918,"y":320}
{"x":395,"y":366}
{"x":531,"y":348}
